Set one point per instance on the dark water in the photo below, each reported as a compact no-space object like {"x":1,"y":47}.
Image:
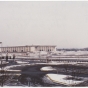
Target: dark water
{"x":33,"y":76}
{"x":30,"y":76}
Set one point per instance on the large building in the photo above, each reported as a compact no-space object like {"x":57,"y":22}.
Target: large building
{"x":28,"y":48}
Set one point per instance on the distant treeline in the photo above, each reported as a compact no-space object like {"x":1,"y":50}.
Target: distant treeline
{"x":84,"y":49}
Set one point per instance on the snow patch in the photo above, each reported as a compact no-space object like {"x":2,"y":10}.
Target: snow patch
{"x":21,"y":62}
{"x":58,"y":78}
{"x":48,"y":68}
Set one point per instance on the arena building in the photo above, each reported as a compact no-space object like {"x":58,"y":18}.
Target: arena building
{"x":27,"y":48}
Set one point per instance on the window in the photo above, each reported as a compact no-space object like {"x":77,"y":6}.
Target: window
{"x":15,"y":51}
{"x":21,"y":50}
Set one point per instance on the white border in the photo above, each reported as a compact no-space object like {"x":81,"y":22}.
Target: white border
{"x":43,"y":0}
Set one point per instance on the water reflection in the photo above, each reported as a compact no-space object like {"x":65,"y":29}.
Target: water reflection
{"x":36,"y":81}
{"x":33,"y":80}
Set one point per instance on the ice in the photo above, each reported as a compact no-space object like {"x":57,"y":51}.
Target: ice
{"x":8,"y":67}
{"x":58,"y":78}
{"x":47,"y":68}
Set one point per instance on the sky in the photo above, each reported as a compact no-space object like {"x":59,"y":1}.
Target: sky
{"x":60,"y":23}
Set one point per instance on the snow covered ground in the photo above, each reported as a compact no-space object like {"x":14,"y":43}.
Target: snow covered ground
{"x":7,"y":86}
{"x":71,"y":53}
{"x":65,"y":62}
{"x":22,"y":62}
{"x":43,"y":54}
{"x":3,"y":62}
{"x":59,"y":78}
{"x":70,"y":58}
{"x":12,"y":66}
{"x":47,"y":68}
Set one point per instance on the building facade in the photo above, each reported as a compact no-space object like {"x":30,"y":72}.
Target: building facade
{"x":32,"y":48}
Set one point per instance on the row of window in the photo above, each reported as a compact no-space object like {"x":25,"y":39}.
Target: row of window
{"x":12,"y":51}
{"x":23,"y":51}
{"x":46,"y":50}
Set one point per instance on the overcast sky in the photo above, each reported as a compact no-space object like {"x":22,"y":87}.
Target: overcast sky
{"x":64,"y":24}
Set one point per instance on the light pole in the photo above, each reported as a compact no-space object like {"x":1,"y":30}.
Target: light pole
{"x":1,"y":55}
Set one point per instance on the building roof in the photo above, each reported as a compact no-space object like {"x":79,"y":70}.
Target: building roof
{"x":31,"y":46}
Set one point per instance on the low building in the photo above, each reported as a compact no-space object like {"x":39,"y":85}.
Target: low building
{"x":32,"y":48}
